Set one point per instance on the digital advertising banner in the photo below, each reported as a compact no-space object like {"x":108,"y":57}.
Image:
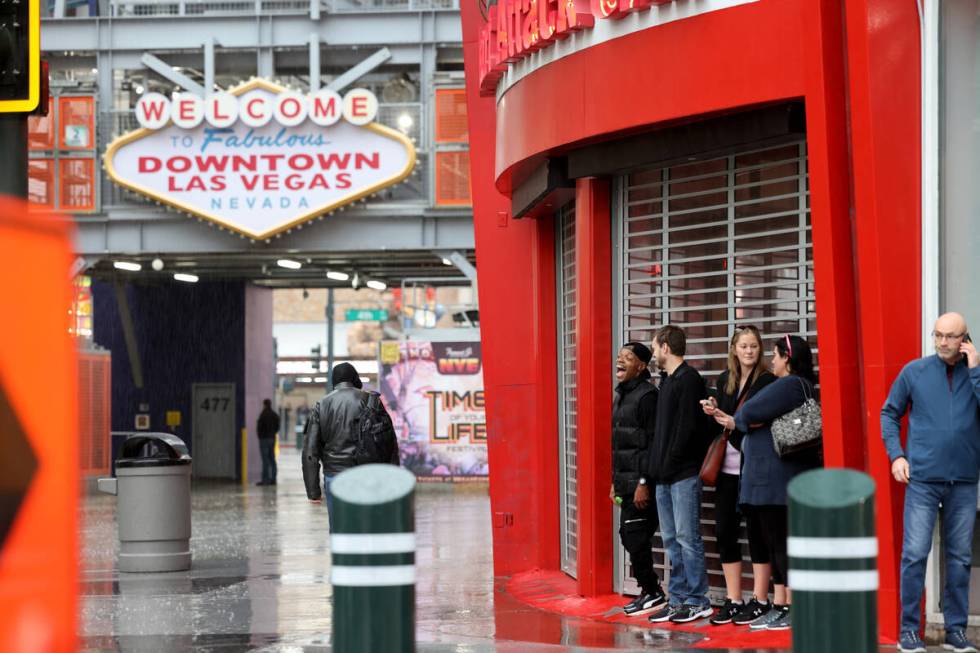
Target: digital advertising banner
{"x":434,"y":394}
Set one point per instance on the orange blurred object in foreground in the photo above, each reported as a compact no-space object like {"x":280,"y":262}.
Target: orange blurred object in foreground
{"x":38,"y":435}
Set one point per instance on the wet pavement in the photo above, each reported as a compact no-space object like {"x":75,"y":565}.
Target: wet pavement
{"x":260,"y":581}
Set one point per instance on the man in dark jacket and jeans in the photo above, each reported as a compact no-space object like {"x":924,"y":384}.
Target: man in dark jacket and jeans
{"x":267,"y":427}
{"x":634,"y":411}
{"x":331,"y":433}
{"x":679,"y":445}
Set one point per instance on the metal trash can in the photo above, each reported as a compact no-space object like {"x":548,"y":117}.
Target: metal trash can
{"x":153,"y":482}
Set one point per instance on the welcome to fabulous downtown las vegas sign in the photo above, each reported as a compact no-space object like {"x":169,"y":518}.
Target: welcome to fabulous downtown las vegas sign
{"x":259,"y":159}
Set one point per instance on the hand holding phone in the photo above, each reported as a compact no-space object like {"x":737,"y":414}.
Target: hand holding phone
{"x":968,"y":349}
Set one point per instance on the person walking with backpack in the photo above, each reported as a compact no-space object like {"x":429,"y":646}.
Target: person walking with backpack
{"x":348,"y":427}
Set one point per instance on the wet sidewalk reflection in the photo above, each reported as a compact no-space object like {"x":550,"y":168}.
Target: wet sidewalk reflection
{"x":260,"y":581}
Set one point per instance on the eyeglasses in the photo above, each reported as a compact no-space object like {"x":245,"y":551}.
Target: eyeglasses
{"x":952,"y":337}
{"x":746,"y":327}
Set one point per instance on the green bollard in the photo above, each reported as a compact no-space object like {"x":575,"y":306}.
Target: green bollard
{"x":373,"y":547}
{"x":833,"y":556}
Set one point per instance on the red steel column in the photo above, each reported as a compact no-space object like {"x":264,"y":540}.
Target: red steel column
{"x":833,"y":246}
{"x":883,"y":62}
{"x":593,"y":312}
{"x":507,"y":296}
{"x":544,"y":318}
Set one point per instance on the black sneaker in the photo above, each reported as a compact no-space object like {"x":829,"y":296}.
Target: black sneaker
{"x":645,"y":603}
{"x":727,"y":612}
{"x":691,"y":613}
{"x":750,"y":612}
{"x":663,"y":614}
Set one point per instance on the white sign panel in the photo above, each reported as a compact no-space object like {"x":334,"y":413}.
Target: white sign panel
{"x":259,"y":159}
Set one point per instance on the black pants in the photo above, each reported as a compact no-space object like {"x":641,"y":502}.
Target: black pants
{"x":728,"y":519}
{"x":771,"y":521}
{"x":636,"y":530}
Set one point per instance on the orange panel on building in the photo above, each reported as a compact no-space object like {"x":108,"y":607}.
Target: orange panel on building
{"x":40,"y":130}
{"x":77,"y":178}
{"x":40,"y":182}
{"x":453,"y":178}
{"x":451,"y":126}
{"x":76,"y":122}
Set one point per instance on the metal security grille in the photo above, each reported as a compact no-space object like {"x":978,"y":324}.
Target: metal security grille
{"x":567,"y":394}
{"x":711,"y":244}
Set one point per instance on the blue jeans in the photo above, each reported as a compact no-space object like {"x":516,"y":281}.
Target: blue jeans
{"x":267,"y":449}
{"x":922,"y":499}
{"x":679,"y":506}
{"x":328,"y":498}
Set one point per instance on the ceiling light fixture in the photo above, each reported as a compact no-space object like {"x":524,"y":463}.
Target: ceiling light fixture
{"x":289,"y":264}
{"x":186,"y":278}
{"x":129,"y":266}
{"x":377,"y":285}
{"x":337,"y":276}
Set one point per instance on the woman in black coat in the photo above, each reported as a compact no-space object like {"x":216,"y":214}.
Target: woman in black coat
{"x":746,"y":375}
{"x":765,"y":476}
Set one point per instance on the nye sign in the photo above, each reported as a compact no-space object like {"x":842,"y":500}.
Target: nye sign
{"x":260,"y":158}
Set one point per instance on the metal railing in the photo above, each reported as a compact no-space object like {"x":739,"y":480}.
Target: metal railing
{"x":137,"y":8}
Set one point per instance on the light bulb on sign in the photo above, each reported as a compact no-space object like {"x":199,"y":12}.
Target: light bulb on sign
{"x":405,"y":122}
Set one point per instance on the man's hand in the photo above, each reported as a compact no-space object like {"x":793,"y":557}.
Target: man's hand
{"x":641,"y":497}
{"x":900,"y":469}
{"x":612,"y":492}
{"x":969,"y":350}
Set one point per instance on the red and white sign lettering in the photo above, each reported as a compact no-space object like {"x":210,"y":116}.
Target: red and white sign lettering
{"x":259,"y":159}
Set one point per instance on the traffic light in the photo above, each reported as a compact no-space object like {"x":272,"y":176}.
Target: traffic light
{"x":20,"y":55}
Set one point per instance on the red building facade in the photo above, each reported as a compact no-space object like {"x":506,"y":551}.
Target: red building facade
{"x":740,"y":161}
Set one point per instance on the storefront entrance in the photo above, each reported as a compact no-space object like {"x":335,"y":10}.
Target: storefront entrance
{"x":707,"y":245}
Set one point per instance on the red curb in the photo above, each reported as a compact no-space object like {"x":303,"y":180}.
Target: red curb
{"x":553,"y":591}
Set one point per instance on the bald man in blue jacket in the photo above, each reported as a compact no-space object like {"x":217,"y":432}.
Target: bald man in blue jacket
{"x":941,"y":465}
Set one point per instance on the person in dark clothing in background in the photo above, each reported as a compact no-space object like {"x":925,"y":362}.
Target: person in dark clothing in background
{"x":267,"y":428}
{"x":681,"y":439}
{"x":634,"y":411}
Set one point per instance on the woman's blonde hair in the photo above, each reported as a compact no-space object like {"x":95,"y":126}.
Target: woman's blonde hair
{"x":734,"y":369}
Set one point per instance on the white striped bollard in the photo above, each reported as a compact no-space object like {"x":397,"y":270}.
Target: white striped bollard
{"x":373,"y":552}
{"x":833,"y":562}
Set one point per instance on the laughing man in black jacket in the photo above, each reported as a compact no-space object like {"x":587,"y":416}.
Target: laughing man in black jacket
{"x":679,"y":445}
{"x":634,"y":415}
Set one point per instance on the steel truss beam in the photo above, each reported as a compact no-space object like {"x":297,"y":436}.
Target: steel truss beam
{"x":155,"y":232}
{"x":399,"y":31}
